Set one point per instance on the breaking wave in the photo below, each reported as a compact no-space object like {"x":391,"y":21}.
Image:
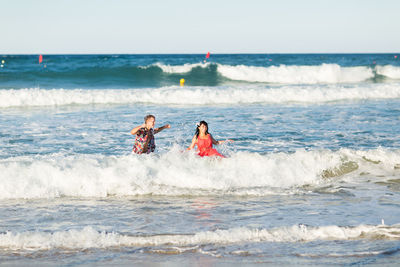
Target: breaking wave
{"x":176,"y":173}
{"x":325,"y":73}
{"x":291,"y":74}
{"x":389,"y":71}
{"x":198,"y":95}
{"x":88,"y":237}
{"x":195,"y":74}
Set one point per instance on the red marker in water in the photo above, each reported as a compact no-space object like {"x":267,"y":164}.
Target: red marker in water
{"x":208,"y":55}
{"x":395,"y":56}
{"x":40,"y":59}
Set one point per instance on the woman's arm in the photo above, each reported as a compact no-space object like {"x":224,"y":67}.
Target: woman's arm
{"x":215,"y":142}
{"x":157,"y":130}
{"x":194,"y":141}
{"x":136,"y":129}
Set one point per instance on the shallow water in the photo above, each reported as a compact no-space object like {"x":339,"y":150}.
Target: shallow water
{"x":312,"y":177}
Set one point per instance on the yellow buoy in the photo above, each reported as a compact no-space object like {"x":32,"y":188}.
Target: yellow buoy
{"x":2,"y":62}
{"x":182,"y":82}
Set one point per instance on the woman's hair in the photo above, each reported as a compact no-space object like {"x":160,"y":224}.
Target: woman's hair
{"x":198,"y":130}
{"x":148,"y":117}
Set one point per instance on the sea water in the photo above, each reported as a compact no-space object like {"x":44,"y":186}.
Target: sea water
{"x":312,"y":177}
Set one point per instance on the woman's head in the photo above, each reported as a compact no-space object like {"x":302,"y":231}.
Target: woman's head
{"x":202,"y":127}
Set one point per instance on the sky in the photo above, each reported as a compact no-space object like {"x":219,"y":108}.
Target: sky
{"x":219,"y":26}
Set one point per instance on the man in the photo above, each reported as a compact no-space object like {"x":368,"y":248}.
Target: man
{"x":144,"y":142}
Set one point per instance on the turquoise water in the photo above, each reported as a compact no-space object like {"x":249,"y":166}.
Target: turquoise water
{"x":312,"y":177}
{"x":136,"y":71}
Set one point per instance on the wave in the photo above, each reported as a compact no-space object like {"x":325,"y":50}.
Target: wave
{"x":325,"y":73}
{"x":197,"y":95}
{"x":291,"y":74}
{"x":389,"y":71}
{"x":88,"y":237}
{"x":176,"y":173}
{"x":185,"y":68}
{"x":195,"y":74}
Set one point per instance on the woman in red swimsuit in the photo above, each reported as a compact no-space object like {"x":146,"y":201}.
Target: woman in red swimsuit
{"x":204,"y":141}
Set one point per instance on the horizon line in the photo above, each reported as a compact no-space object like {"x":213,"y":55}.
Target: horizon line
{"x":252,"y":53}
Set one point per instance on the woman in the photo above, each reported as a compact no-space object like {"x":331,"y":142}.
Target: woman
{"x":204,"y":141}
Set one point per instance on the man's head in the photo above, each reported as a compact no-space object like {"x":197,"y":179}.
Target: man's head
{"x":149,"y":121}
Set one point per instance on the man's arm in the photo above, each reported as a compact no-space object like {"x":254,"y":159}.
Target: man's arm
{"x":136,"y":129}
{"x":157,"y":130}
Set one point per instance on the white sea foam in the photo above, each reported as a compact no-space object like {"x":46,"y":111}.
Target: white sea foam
{"x":180,"y":68}
{"x":177,"y":173}
{"x":90,"y":238}
{"x":286,"y":74}
{"x":325,"y":73}
{"x":198,"y":95}
{"x":389,"y":71}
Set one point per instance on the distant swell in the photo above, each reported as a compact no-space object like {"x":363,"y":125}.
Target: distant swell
{"x":90,"y":238}
{"x":176,"y":173}
{"x":197,"y":95}
{"x":198,"y":74}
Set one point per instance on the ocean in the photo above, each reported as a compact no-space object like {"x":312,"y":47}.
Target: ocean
{"x":312,"y":177}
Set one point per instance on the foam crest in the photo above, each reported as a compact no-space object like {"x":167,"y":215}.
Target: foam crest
{"x":389,"y":71}
{"x":325,"y":73}
{"x":173,"y":173}
{"x":90,"y":238}
{"x":197,"y":95}
{"x":180,"y":68}
{"x":176,"y":173}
